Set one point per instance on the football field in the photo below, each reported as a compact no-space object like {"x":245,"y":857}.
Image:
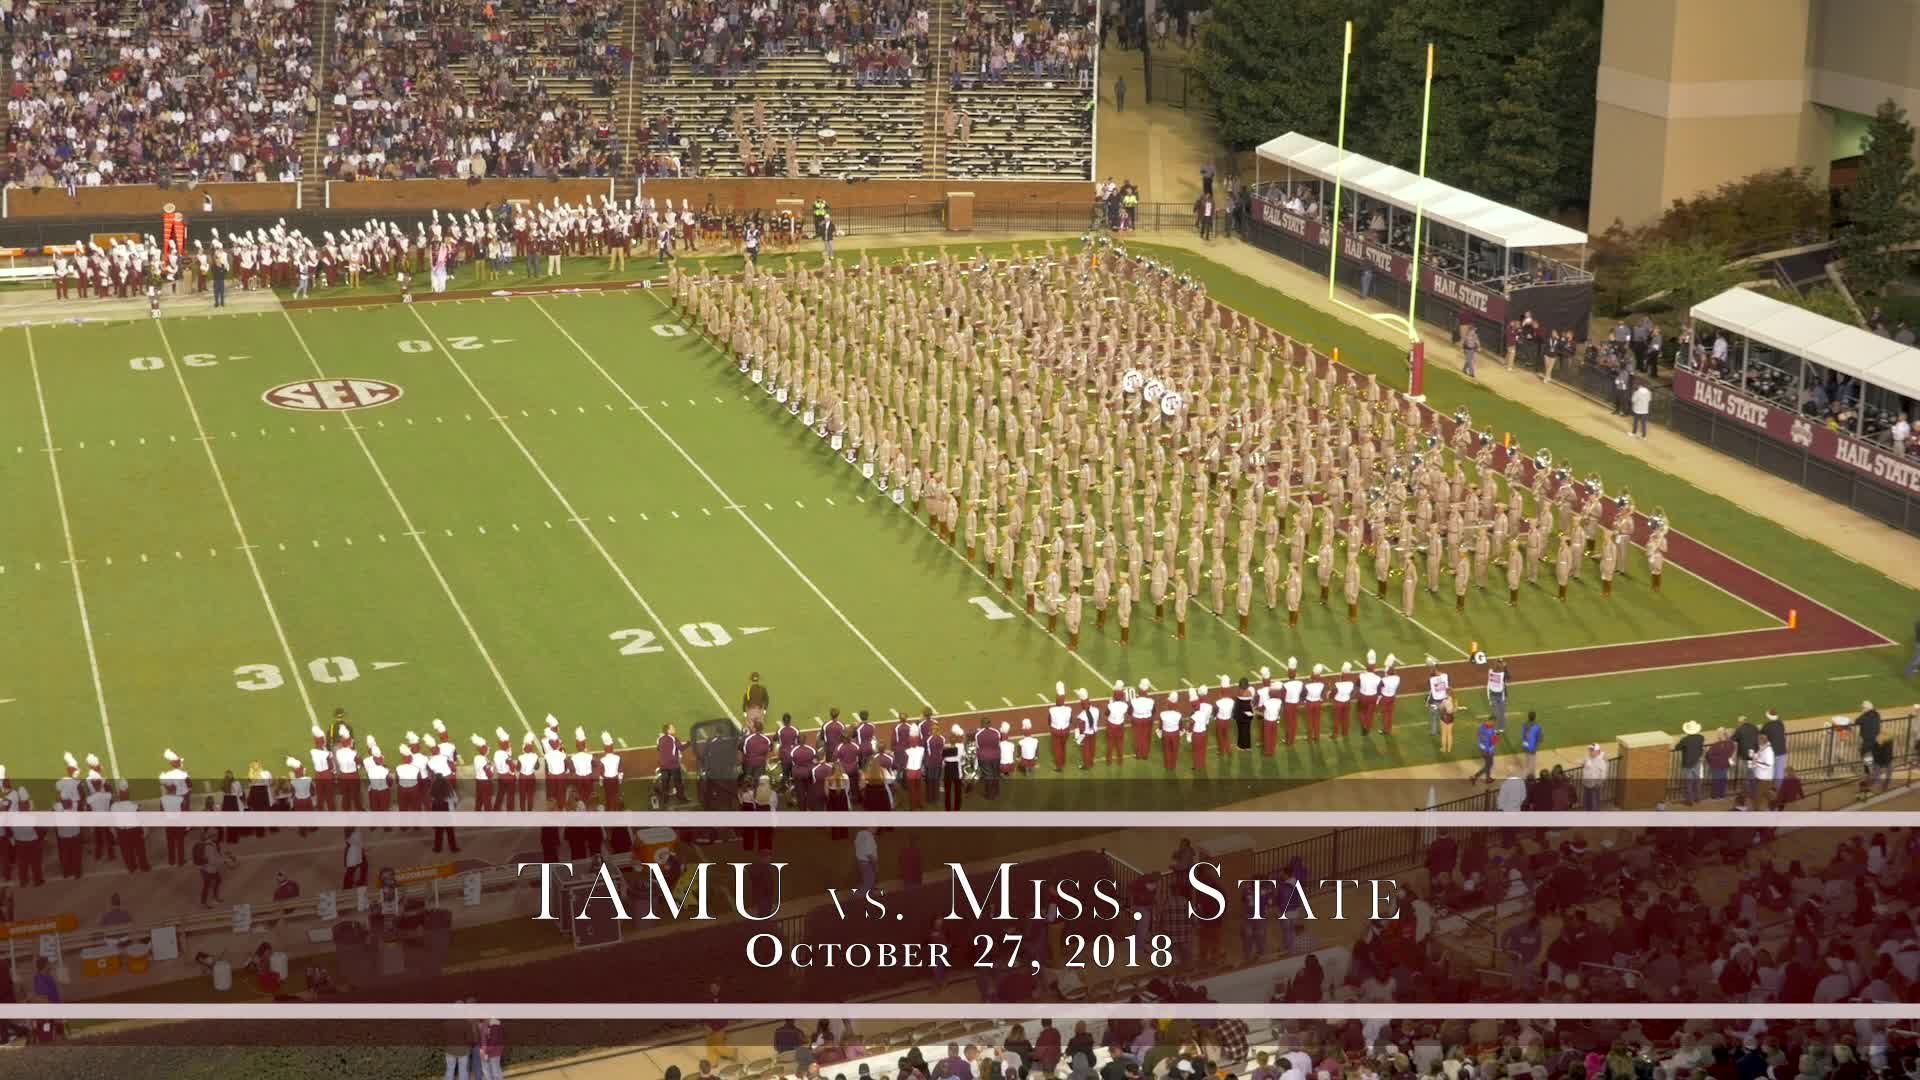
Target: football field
{"x":222,"y":529}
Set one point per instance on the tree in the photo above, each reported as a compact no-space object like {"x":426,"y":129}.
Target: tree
{"x":1685,"y":272}
{"x":1271,"y":68}
{"x":1884,"y":202}
{"x":1538,"y":153}
{"x":1821,"y":300}
{"x":1474,"y":44}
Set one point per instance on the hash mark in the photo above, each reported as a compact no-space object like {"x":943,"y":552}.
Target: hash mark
{"x":1765,"y":686}
{"x":690,"y":401}
{"x":553,"y":411}
{"x":719,"y":400}
{"x":449,"y":532}
{"x":675,"y":513}
{"x":213,"y":553}
{"x":610,"y":520}
{"x":283,"y":547}
{"x":109,"y":560}
{"x":524,"y":412}
{"x":1844,"y":678}
{"x":1683,"y":693}
{"x":36,"y":566}
{"x":143,"y":556}
{"x":349,"y":541}
{"x":483,"y":529}
{"x":768,"y":505}
{"x":799,"y":504}
{"x":830,"y":502}
{"x":112,"y":442}
{"x":1009,"y":701}
{"x":516,"y":526}
{"x":971,"y":707}
{"x":143,"y":440}
{"x":176,"y":555}
{"x":382,"y":536}
{"x":83,"y":445}
{"x":706,"y":511}
{"x":548,"y":524}
{"x":316,"y":542}
{"x":643,"y":517}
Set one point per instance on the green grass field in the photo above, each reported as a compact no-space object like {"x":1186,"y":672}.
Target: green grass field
{"x":575,"y":508}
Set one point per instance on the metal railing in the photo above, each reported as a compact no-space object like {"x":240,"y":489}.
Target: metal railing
{"x":1830,"y":755}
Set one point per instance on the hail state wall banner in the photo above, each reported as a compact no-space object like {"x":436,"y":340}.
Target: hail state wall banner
{"x":1442,"y":286}
{"x":1874,"y":462}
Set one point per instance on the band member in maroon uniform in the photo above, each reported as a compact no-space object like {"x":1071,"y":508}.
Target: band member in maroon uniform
{"x":800,"y":764}
{"x":672,"y":782}
{"x":789,"y":737}
{"x":987,"y":745}
{"x":755,"y":750}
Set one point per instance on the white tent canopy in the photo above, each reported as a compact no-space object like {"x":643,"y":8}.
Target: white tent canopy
{"x":1819,"y":340}
{"x":1463,"y":210}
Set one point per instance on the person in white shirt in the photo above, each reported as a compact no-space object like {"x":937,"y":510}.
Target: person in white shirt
{"x":1029,"y":747}
{"x":1439,"y":690}
{"x":1641,"y":403}
{"x":1759,"y":766}
{"x":1593,"y":775}
{"x":1171,"y":720}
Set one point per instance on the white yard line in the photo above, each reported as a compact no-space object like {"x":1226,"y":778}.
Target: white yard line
{"x":294,"y":668}
{"x":73,"y":560}
{"x":419,"y":539}
{"x":666,"y":635}
{"x":734,"y":504}
{"x":954,"y":551}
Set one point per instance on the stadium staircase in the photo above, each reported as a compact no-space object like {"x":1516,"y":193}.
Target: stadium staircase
{"x":878,"y":130}
{"x":627,"y":118}
{"x":313,"y":141}
{"x":939,"y":83}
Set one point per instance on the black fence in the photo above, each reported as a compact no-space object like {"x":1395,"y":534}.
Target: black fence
{"x":1843,"y":485}
{"x":1817,"y":755}
{"x":1607,"y":796}
{"x":1176,"y":86}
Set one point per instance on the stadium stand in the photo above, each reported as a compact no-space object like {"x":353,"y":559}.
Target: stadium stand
{"x":1019,"y":83}
{"x":464,"y":89}
{"x":138,"y":92}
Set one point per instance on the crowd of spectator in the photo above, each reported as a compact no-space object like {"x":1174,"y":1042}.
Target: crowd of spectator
{"x":402,"y":110}
{"x":1051,"y":40}
{"x":151,"y":90}
{"x":882,"y":41}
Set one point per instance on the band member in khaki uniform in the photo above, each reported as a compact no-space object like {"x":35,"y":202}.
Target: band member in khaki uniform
{"x":1351,"y":584}
{"x":1157,"y":588}
{"x":1462,"y":578}
{"x":1217,"y":583}
{"x":1657,"y":553}
{"x":1514,"y":568}
{"x":1382,"y":560}
{"x":1180,"y":601}
{"x":1609,"y":561}
{"x":1051,"y":583}
{"x":1030,"y":577}
{"x":1436,"y":558}
{"x":1102,"y":586}
{"x":1409,"y":582}
{"x":1536,"y":551}
{"x":1294,"y":589}
{"x":1270,"y":576}
{"x":1323,"y":568}
{"x":1243,"y":601}
{"x":1123,"y":602}
{"x":1563,"y":563}
{"x":1074,"y":615}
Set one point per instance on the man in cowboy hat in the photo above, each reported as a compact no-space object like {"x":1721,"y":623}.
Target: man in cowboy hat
{"x":1693,"y":749}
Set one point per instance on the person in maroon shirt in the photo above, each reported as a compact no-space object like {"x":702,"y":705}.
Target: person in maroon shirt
{"x":800,"y":767}
{"x":987,"y":743}
{"x":670,"y":784}
{"x":936,"y":756}
{"x":847,"y":754}
{"x":831,"y":732}
{"x":755,"y":750}
{"x":788,"y":737}
{"x":864,"y":736}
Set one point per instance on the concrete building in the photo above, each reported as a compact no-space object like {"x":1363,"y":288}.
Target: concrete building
{"x":1694,"y":93}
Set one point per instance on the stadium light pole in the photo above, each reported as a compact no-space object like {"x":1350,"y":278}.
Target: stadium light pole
{"x":1417,"y":349}
{"x":1340,"y":144}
